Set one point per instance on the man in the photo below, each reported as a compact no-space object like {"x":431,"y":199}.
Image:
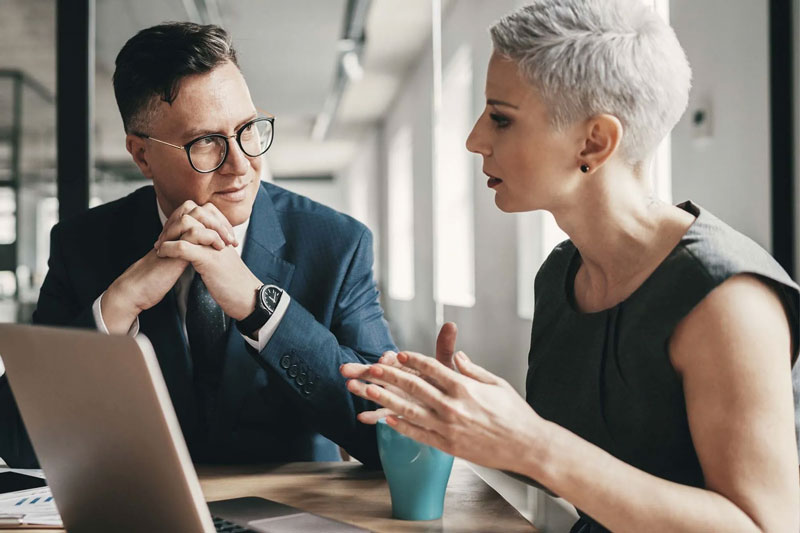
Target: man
{"x":252,"y":296}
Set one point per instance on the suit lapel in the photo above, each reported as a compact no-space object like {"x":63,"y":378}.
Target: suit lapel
{"x":264,"y":238}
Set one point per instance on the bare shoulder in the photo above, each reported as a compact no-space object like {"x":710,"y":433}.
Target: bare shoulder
{"x":732,"y":352}
{"x":743,"y":315}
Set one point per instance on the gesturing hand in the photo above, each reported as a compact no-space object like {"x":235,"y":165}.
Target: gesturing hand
{"x":445,"y":348}
{"x":475,"y":414}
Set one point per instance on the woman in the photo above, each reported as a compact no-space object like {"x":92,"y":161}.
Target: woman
{"x":659,"y":393}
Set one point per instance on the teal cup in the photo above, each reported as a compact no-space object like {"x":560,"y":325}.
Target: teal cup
{"x":417,"y":474}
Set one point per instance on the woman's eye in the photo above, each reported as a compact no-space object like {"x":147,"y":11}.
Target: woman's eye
{"x":500,"y":121}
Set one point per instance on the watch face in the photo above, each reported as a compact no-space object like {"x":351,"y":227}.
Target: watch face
{"x":270,"y":297}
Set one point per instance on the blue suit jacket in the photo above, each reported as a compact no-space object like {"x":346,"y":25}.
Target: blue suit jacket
{"x":272,"y":406}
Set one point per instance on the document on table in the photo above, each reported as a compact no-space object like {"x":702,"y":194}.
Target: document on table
{"x":32,"y":507}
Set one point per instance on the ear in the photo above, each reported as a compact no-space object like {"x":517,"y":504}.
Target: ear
{"x":137,"y":147}
{"x":603,"y":135}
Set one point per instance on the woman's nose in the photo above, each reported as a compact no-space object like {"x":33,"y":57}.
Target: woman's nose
{"x":476,"y":141}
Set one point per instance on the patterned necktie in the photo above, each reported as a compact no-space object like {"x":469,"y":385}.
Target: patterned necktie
{"x":206,"y":327}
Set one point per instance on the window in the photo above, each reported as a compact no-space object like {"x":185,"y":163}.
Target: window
{"x":662,"y":167}
{"x":537,"y":235}
{"x":400,"y":210}
{"x":454,"y":188}
{"x":528,"y":260}
{"x":8,"y":216}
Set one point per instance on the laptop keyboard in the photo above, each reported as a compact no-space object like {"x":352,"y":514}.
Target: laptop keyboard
{"x":224,"y":526}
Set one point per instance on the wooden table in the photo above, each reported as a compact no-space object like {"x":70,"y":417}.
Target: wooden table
{"x":350,"y":493}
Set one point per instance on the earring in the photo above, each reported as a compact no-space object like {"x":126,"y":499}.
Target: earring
{"x":584,"y":168}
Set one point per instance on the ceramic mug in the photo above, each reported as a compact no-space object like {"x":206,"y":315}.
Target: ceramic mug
{"x":417,"y":474}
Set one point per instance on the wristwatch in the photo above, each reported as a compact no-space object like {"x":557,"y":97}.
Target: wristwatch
{"x":267,"y":298}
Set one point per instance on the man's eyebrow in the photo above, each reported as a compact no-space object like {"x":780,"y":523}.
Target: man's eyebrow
{"x":195,"y":133}
{"x":192,"y":134}
{"x":492,"y":101}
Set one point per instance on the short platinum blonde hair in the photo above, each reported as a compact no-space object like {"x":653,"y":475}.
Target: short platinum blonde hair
{"x":587,"y":57}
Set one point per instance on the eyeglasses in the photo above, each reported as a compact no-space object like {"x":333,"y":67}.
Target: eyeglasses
{"x":208,"y":153}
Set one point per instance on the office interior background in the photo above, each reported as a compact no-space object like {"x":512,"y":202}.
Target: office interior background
{"x":373,"y":102}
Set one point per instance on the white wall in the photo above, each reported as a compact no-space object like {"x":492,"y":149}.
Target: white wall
{"x":491,"y":332}
{"x":729,"y":173}
{"x":413,"y":322}
{"x":362,"y":191}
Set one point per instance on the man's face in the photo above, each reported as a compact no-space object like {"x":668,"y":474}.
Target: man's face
{"x":216,"y":102}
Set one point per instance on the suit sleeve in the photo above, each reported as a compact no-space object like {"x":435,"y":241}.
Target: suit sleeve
{"x":305,"y":356}
{"x":59,"y":306}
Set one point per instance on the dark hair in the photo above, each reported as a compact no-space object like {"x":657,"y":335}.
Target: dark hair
{"x":154,"y":61}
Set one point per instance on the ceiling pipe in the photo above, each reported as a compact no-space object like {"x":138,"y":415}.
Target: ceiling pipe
{"x":203,"y":11}
{"x":348,"y":64}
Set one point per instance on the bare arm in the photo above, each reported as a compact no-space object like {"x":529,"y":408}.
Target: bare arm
{"x":732,"y":352}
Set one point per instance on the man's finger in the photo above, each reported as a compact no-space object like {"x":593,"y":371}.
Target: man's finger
{"x":211,"y":217}
{"x":223,"y":219}
{"x":182,"y":250}
{"x":446,"y":344}
{"x":175,"y":226}
{"x":203,"y":236}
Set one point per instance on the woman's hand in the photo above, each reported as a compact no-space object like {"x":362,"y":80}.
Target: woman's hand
{"x":475,"y":414}
{"x":445,"y":348}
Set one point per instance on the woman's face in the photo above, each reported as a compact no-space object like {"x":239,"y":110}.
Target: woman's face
{"x":528,"y":163}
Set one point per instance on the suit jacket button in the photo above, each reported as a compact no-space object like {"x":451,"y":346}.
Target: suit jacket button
{"x":308,"y":388}
{"x":286,"y":361}
{"x":293,"y":371}
{"x":301,"y":378}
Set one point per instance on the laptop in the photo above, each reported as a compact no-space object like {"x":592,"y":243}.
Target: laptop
{"x":100,"y":418}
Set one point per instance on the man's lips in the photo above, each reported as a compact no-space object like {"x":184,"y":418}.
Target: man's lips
{"x":233,"y":194}
{"x":233,"y":189}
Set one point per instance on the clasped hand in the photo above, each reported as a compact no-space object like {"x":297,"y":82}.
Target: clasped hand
{"x":196,"y":235}
{"x":202,"y":236}
{"x":463,"y":410}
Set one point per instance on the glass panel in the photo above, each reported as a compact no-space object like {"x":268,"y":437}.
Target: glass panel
{"x":400,"y":206}
{"x":8,"y":221}
{"x":454,"y":203}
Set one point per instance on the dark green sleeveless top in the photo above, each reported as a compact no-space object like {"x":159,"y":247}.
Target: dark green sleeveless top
{"x":607,"y":376}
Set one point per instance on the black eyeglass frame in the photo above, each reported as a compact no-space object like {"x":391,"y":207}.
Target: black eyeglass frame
{"x":238,"y":136}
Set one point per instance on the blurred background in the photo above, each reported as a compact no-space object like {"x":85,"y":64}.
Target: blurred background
{"x":373,"y":102}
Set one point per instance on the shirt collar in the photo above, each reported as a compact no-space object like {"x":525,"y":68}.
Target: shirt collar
{"x":239,"y":231}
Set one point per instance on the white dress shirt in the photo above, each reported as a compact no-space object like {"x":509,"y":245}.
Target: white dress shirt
{"x":182,"y":290}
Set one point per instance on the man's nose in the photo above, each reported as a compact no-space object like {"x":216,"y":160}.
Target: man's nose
{"x":237,"y":161}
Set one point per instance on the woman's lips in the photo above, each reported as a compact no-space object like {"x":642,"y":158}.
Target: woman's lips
{"x":493,"y":182}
